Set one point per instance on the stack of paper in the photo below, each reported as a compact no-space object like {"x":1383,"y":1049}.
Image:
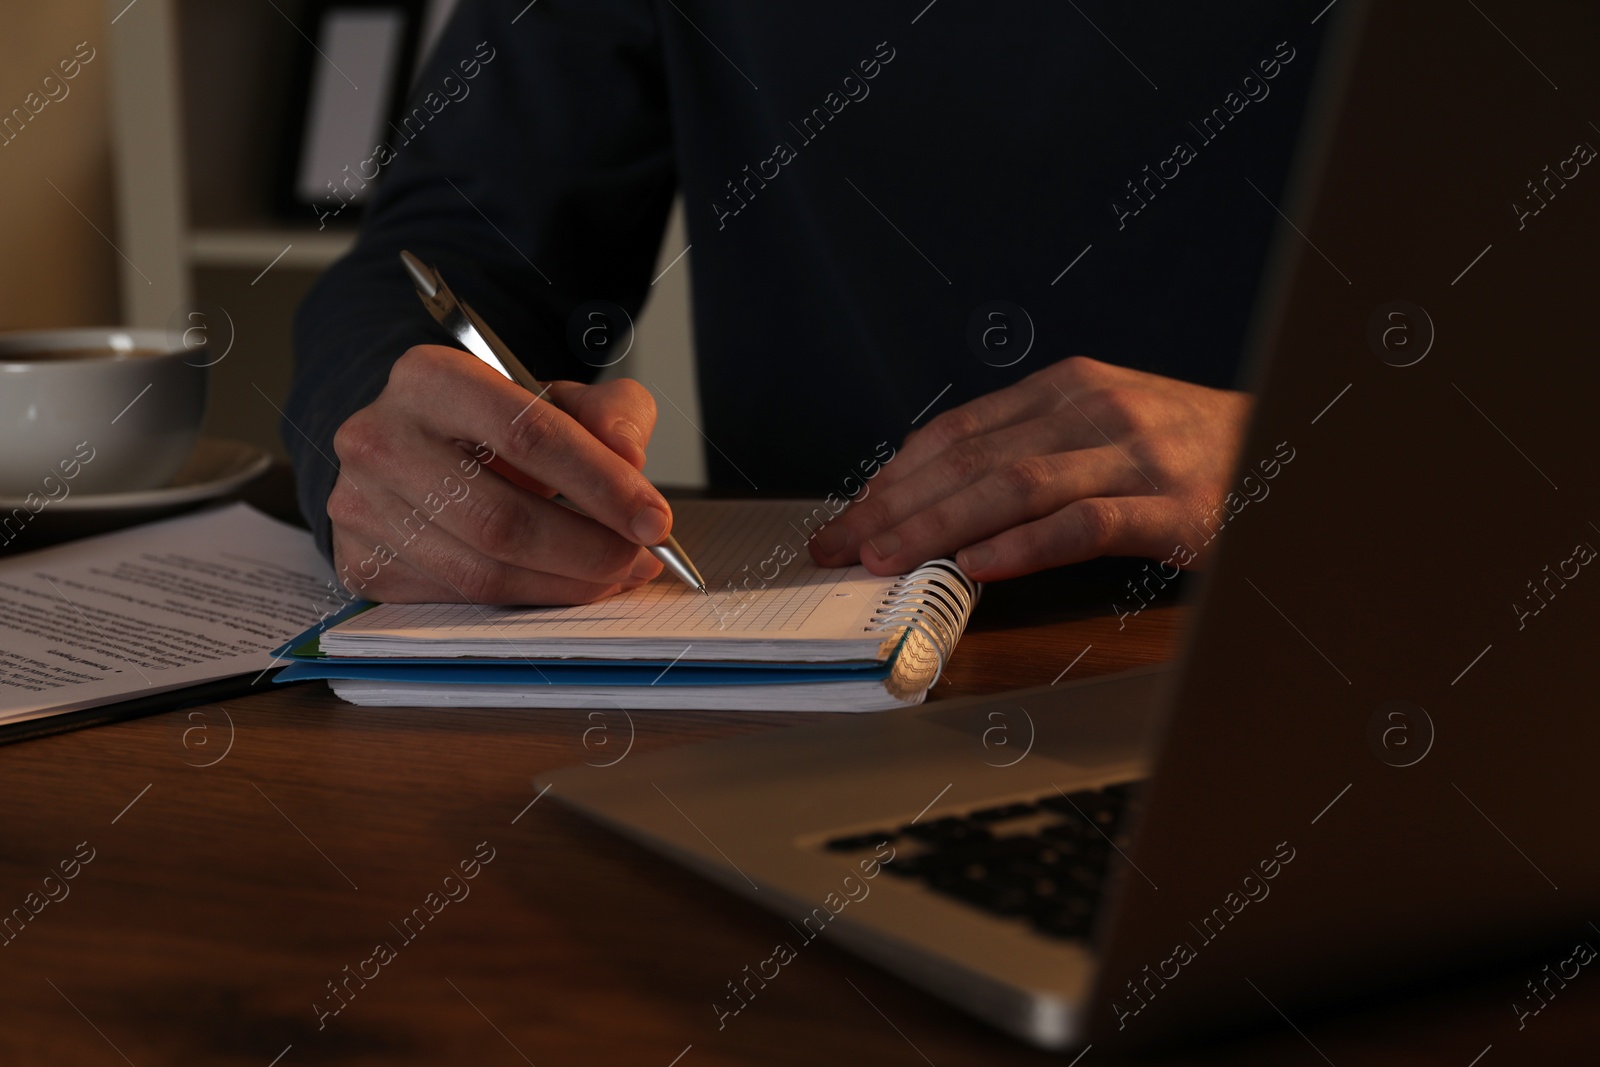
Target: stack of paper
{"x":777,"y":633}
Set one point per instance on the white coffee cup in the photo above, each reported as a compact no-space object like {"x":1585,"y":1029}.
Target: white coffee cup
{"x":110,"y":409}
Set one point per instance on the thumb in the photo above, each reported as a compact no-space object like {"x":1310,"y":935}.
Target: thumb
{"x":621,"y":414}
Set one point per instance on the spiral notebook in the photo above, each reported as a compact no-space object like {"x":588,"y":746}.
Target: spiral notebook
{"x":777,"y":632}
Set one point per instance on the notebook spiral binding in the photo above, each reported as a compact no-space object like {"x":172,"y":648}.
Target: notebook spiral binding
{"x":935,"y":601}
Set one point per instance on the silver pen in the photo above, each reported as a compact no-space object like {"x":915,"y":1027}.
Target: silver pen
{"x":455,"y":316}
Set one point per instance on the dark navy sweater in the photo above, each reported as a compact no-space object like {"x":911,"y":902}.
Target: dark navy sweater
{"x":884,"y":200}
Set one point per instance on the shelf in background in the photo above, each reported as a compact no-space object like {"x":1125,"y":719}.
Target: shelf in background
{"x":257,"y":247}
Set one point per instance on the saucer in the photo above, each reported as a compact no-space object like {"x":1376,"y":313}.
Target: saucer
{"x":216,"y":468}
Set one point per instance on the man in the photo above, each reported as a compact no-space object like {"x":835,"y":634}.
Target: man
{"x":893,"y":208}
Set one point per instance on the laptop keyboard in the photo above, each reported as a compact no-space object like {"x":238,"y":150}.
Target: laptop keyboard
{"x":1042,"y":862}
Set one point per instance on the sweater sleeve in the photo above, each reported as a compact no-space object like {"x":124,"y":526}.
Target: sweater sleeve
{"x":533,"y":165}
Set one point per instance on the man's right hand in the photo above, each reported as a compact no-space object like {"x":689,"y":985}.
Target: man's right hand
{"x":459,"y":530}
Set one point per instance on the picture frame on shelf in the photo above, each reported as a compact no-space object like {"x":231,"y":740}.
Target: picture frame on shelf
{"x":350,"y":83}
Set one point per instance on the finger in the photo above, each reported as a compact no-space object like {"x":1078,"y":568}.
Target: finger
{"x":1017,"y":492}
{"x":516,"y":477}
{"x":952,"y":471}
{"x":509,"y":524}
{"x":370,"y":570}
{"x":988,"y":413}
{"x":373,"y":571}
{"x":480,"y":508}
{"x":1096,"y":526}
{"x":1039,"y":393}
{"x":464,"y":574}
{"x":453,"y":396}
{"x":955,"y":468}
{"x":620,"y":413}
{"x":475,"y":578}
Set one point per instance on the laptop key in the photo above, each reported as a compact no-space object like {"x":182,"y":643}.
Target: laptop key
{"x":978,"y":885}
{"x":1004,"y":899}
{"x":1075,"y":835}
{"x":1094,"y":804}
{"x":933,"y":861}
{"x":947,"y":830}
{"x":1101,"y":806}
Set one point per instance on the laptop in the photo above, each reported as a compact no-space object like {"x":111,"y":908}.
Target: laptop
{"x":1373,"y":760}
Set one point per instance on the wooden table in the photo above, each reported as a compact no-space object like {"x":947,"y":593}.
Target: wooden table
{"x":230,"y":885}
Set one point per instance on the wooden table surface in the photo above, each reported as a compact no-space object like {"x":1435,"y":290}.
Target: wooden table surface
{"x":245,"y":853}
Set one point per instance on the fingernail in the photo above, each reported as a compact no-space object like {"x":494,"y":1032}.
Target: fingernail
{"x":975,"y":558}
{"x":645,"y":567}
{"x":885,"y":544}
{"x":650,"y":526}
{"x":833,"y":540}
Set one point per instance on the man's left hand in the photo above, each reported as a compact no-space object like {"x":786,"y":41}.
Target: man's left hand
{"x":1078,"y":460}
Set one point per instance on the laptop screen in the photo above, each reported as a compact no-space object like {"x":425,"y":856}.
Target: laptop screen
{"x":1385,"y":694}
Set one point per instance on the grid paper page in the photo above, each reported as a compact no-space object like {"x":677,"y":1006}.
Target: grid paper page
{"x":753,"y":555}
